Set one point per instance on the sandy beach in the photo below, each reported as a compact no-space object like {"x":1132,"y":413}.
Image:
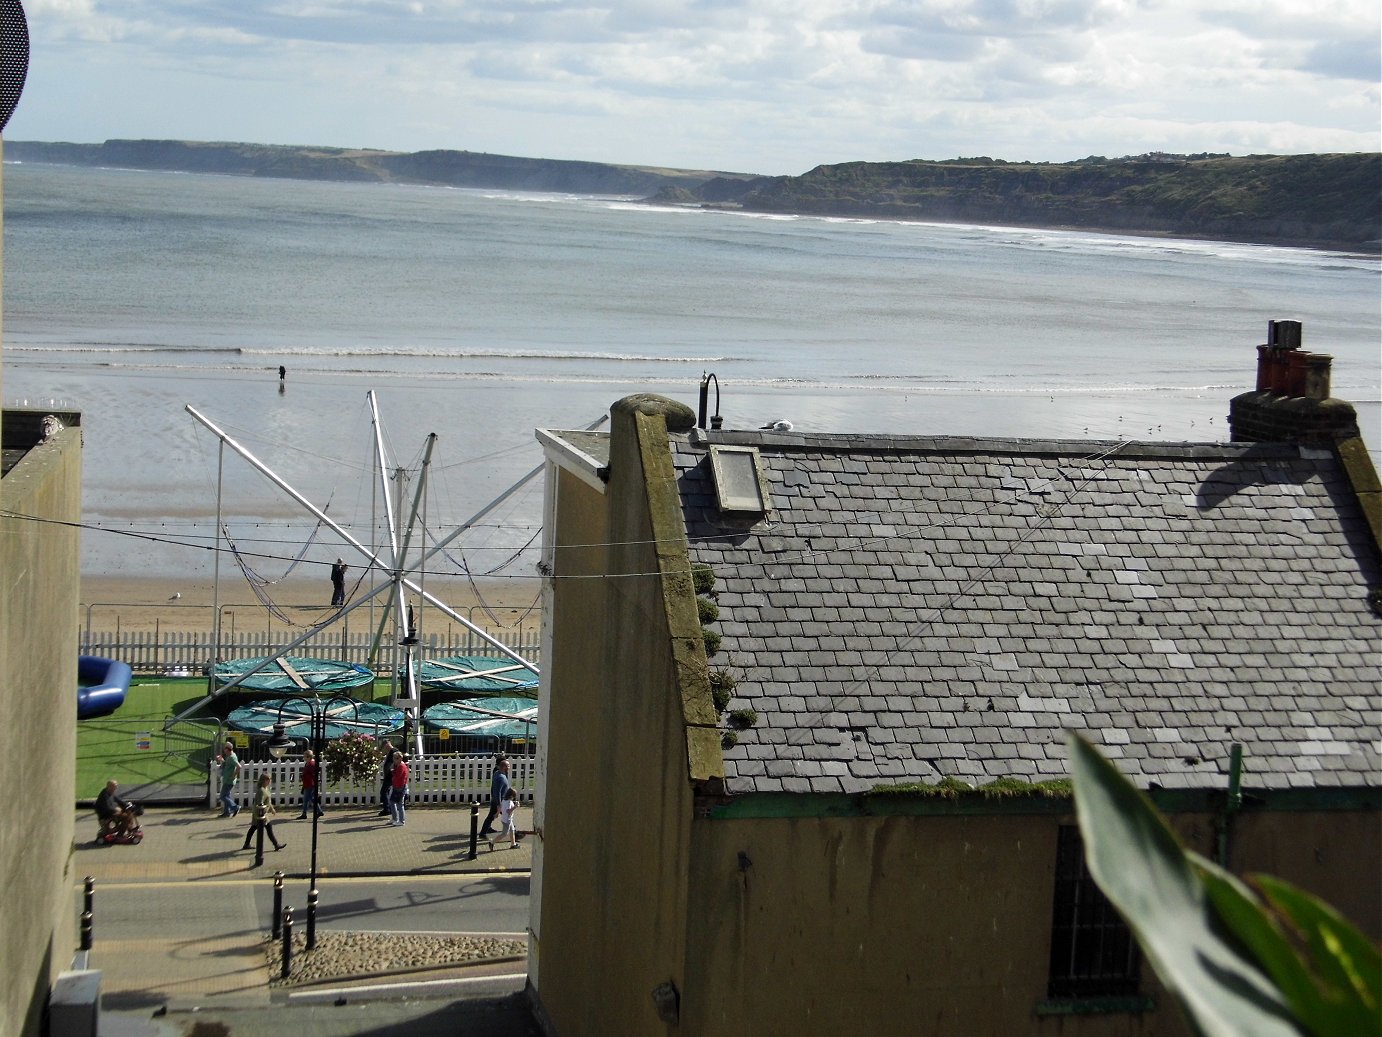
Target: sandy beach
{"x":155,"y":603}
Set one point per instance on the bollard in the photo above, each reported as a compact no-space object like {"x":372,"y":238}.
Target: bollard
{"x":474,"y":830}
{"x":278,"y":905}
{"x":312,"y":918}
{"x":88,"y":911}
{"x":287,"y":943}
{"x":259,"y":845}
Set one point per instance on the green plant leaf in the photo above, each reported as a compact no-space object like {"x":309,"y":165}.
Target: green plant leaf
{"x":1141,"y":867}
{"x":1347,"y":965}
{"x":1248,"y":919}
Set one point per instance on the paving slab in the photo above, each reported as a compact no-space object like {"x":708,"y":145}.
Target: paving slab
{"x":184,"y":968}
{"x":185,"y":842}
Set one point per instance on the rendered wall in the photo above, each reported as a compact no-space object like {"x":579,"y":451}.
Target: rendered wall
{"x":38,"y":700}
{"x":932,"y":925}
{"x":899,"y":925}
{"x":1335,"y":855}
{"x":617,"y":810}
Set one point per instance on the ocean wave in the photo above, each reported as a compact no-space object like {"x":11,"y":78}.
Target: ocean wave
{"x":471,"y":353}
{"x":464,"y":353}
{"x":114,"y":347}
{"x":889,"y":384}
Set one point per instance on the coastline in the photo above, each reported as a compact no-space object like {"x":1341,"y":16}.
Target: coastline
{"x":643,"y":184}
{"x":148,"y":603}
{"x":1366,"y":250}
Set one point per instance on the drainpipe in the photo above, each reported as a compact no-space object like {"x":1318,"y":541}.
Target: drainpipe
{"x":1233,"y":802}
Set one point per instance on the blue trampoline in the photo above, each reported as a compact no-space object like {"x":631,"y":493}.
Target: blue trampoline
{"x":294,"y":674}
{"x":504,"y":717}
{"x":477,"y":675}
{"x":375,"y":718}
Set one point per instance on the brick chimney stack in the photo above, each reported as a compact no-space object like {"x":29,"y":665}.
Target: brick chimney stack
{"x":1291,"y":403}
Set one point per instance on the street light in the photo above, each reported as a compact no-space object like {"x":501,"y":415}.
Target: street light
{"x":279,"y":745}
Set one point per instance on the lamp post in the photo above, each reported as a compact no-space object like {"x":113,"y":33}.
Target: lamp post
{"x":279,"y":745}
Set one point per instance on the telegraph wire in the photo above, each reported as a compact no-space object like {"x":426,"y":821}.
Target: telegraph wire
{"x":198,"y":542}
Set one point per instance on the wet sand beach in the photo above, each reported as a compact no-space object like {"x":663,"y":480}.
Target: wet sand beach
{"x":166,"y":603}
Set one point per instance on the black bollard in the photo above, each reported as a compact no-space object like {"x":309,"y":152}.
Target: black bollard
{"x":278,"y":905}
{"x":88,"y":911}
{"x":287,"y":943}
{"x":312,"y":919}
{"x":259,"y":844}
{"x":474,"y":830}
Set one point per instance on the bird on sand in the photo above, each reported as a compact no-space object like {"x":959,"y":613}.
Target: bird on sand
{"x":176,"y":595}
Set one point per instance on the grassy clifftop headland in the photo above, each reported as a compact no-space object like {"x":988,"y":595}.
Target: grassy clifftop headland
{"x":449,"y":168}
{"x":1329,"y":201}
{"x":1321,"y":201}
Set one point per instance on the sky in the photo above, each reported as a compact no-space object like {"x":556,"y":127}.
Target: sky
{"x":755,"y":86}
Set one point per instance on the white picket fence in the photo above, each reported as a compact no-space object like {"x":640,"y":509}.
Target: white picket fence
{"x":431,"y":779}
{"x":165,"y":651}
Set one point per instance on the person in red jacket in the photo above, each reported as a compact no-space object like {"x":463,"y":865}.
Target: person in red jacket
{"x":398,"y":789}
{"x":311,"y":783}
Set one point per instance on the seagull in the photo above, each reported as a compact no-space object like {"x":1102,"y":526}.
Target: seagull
{"x":780,"y":425}
{"x":176,"y":595}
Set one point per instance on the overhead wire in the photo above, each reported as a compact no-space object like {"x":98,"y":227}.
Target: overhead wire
{"x":582,"y":546}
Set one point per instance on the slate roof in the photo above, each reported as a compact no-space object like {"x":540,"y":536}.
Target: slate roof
{"x":913,"y":609}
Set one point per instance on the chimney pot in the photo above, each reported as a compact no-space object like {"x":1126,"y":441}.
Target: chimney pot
{"x":1291,"y":403}
{"x":1283,"y":334}
{"x":1317,"y":367}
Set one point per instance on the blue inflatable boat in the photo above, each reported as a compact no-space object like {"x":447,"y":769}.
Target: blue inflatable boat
{"x":101,"y":686}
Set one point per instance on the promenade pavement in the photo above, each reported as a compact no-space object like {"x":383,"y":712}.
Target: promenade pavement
{"x":179,"y":967}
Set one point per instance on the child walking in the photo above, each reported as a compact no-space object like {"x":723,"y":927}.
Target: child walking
{"x":506,"y":808}
{"x":263,"y":808}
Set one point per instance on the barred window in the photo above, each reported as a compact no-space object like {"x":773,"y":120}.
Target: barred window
{"x":1093,"y":953}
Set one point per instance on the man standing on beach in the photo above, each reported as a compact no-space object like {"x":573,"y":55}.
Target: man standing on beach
{"x":338,"y":572}
{"x":230,"y":774}
{"x":498,"y":789}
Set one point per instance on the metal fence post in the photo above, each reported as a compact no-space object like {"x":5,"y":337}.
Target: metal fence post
{"x":287,"y":943}
{"x":278,"y":905}
{"x":88,"y":911}
{"x":311,"y":919}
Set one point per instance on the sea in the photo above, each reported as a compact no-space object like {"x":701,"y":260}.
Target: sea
{"x":163,"y":305}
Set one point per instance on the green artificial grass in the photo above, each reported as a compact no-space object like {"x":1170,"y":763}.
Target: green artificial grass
{"x":133,"y":747}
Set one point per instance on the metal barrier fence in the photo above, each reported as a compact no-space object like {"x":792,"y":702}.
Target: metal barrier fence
{"x":187,"y":652}
{"x":431,"y":779}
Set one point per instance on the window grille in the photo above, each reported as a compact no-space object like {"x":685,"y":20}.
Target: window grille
{"x":1093,"y":953}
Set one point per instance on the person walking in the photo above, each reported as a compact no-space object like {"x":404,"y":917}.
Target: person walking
{"x":506,"y":812}
{"x":398,"y":791}
{"x":386,"y":783}
{"x":230,"y":774}
{"x":498,"y":788}
{"x":338,"y":574}
{"x":311,"y":784}
{"x":263,"y":810}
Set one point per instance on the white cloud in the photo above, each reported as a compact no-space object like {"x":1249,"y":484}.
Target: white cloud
{"x":757,"y":85}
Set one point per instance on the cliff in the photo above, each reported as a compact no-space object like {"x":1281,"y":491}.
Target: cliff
{"x":449,"y":168}
{"x":1323,"y":201}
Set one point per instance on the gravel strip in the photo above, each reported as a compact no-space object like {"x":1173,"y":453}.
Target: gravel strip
{"x":353,"y":955}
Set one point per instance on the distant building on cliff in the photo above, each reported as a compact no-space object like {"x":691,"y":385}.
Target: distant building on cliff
{"x":891,"y":621}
